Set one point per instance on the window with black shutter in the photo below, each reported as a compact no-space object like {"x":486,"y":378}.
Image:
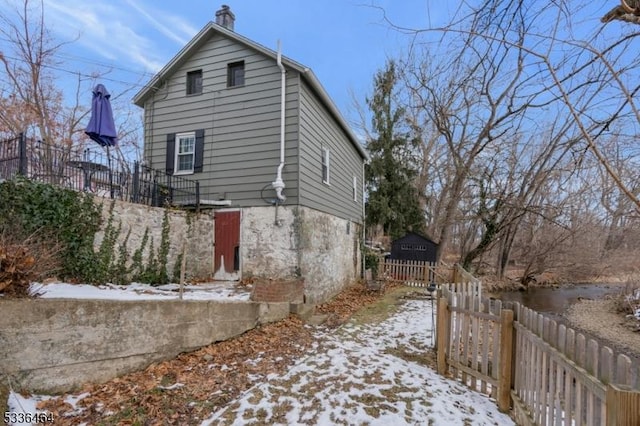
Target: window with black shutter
{"x":185,"y":152}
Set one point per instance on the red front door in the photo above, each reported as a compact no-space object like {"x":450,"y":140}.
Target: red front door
{"x":227,"y":245}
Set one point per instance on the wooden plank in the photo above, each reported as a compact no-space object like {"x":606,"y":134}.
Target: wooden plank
{"x":552,"y":395}
{"x":506,"y":357}
{"x":592,"y":368}
{"x":623,"y":406}
{"x":458,"y":331}
{"x":519,"y":371}
{"x":606,"y":375}
{"x":538,"y":372}
{"x":465,"y":338}
{"x":569,"y":393}
{"x":495,"y":354}
{"x":484,"y":366}
{"x":544,"y":376}
{"x":528,"y":358}
{"x":581,"y":347}
{"x":482,"y":315}
{"x":561,"y":399}
{"x":623,"y":370}
{"x":471,"y":372}
{"x":475,"y":337}
{"x":442,"y":325}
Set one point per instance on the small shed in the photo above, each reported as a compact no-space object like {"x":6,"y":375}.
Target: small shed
{"x":414,"y":246}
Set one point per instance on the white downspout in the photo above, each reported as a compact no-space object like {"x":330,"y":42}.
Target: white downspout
{"x":278,"y":184}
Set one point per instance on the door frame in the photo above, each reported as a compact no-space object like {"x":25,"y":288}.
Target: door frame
{"x":240,"y":234}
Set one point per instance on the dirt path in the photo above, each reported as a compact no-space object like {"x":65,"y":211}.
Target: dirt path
{"x":373,"y":374}
{"x":599,"y":318}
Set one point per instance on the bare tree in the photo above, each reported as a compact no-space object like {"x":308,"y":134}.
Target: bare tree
{"x":31,"y":99}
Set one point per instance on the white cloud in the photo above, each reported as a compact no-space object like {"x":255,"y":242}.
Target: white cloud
{"x":115,"y":31}
{"x":155,"y":18}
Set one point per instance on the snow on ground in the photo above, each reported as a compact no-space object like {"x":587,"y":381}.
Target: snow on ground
{"x":357,"y":374}
{"x":135,"y":291}
{"x":357,"y":377}
{"x":634,"y":300}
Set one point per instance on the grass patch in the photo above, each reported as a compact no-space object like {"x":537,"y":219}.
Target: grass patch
{"x":426,"y":358}
{"x":384,"y":307}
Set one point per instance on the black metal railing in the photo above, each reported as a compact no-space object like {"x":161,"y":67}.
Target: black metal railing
{"x":92,"y":171}
{"x":157,"y":188}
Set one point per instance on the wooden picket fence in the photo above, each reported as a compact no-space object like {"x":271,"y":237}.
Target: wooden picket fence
{"x":549,"y":373}
{"x":414,"y":273}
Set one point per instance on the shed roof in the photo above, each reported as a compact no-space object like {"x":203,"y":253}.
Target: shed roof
{"x":212,"y":29}
{"x":409,"y":234}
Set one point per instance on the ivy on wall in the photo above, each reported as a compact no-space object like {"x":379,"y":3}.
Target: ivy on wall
{"x":63,"y":217}
{"x":70,"y":220}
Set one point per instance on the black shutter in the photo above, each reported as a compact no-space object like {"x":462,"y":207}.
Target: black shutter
{"x":171,"y":152}
{"x":197,"y":166}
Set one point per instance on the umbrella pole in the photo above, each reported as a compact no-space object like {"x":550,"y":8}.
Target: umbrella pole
{"x":110,"y":174}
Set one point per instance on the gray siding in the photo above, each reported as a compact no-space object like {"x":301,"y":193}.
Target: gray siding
{"x":318,"y":129}
{"x":241,"y":124}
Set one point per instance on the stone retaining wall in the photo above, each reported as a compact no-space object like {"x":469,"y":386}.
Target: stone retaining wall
{"x":56,"y":345}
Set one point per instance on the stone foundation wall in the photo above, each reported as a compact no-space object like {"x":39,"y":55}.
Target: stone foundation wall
{"x":136,"y":218}
{"x":299,"y":242}
{"x":329,"y":254}
{"x":269,"y":242}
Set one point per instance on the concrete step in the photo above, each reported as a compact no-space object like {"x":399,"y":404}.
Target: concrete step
{"x":317,"y":319}
{"x":303,"y":310}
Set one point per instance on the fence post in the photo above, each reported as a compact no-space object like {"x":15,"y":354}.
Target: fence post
{"x":623,"y":406}
{"x":442,"y":335}
{"x":22,"y":152}
{"x":136,"y":182}
{"x":198,"y":196}
{"x":506,"y":357}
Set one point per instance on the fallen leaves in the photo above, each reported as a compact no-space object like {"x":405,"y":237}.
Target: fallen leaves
{"x":190,"y":387}
{"x":18,"y":265}
{"x":345,"y":304}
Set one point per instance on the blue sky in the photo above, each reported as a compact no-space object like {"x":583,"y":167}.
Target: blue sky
{"x":343,"y":41}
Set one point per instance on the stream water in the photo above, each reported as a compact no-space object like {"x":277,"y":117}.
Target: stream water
{"x":555,"y":301}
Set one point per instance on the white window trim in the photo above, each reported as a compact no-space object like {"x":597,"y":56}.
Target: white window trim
{"x":177,"y":154}
{"x":326,"y":159}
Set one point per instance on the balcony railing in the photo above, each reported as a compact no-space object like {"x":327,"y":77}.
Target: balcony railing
{"x":91,"y":171}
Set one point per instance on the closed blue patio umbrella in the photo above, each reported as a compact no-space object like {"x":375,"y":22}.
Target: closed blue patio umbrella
{"x":102,"y":127}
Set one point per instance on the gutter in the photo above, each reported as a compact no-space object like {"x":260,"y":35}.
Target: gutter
{"x":278,"y":184}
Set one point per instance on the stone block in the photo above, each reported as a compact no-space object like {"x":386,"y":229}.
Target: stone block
{"x":303,"y":310}
{"x":278,"y":290}
{"x":272,"y":312}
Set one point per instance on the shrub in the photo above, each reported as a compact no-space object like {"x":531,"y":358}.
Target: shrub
{"x":371,"y":260}
{"x":52,"y":217}
{"x":25,"y":260}
{"x":628,"y":301}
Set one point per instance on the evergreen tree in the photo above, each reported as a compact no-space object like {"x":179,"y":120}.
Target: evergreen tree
{"x":392,"y":196}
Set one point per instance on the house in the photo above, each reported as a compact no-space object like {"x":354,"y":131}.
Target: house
{"x":272,"y":154}
{"x":414,"y":246}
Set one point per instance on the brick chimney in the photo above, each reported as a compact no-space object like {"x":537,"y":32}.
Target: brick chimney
{"x":225,"y":17}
